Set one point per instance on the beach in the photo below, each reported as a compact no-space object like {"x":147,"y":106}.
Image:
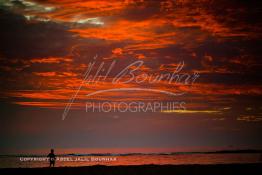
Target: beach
{"x":219,"y":169}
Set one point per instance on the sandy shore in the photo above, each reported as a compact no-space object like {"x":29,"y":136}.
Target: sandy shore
{"x":143,"y":170}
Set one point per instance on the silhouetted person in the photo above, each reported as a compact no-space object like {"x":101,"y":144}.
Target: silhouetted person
{"x":52,"y":158}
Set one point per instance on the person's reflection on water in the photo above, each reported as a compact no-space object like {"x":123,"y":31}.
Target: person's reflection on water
{"x":52,"y":158}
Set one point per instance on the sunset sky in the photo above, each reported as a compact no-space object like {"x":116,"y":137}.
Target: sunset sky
{"x":46,"y":46}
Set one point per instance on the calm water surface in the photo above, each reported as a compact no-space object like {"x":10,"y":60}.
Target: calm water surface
{"x":175,"y":159}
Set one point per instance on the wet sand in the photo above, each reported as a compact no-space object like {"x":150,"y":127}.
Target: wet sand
{"x":220,"y":169}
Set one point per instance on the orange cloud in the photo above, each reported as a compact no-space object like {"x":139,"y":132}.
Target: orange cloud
{"x":141,"y":33}
{"x":191,"y":111}
{"x":45,"y":74}
{"x":71,"y":11}
{"x":52,"y":105}
{"x":117,"y":51}
{"x":50,"y":60}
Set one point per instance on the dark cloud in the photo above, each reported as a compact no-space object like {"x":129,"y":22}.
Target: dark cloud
{"x":24,"y":40}
{"x":140,"y":11}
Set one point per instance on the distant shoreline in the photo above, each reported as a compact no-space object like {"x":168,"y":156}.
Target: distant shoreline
{"x":158,"y":153}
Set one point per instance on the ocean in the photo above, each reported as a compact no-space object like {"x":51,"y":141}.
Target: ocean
{"x":74,"y":160}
